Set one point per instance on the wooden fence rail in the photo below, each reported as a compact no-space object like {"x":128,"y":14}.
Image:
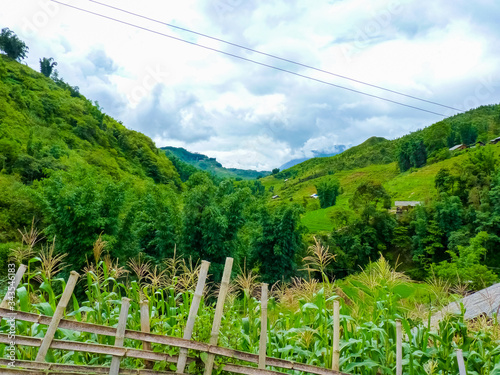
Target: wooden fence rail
{"x":118,"y":351}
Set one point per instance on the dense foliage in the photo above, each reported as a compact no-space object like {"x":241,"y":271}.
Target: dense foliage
{"x":13,"y":47}
{"x":299,"y":317}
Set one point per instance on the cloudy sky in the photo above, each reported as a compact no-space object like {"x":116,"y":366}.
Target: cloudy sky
{"x":248,"y":115}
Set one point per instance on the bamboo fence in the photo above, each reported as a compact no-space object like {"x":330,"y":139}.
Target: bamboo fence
{"x":266,"y":365}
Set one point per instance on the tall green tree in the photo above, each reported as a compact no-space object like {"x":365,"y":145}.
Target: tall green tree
{"x":47,"y":65}
{"x":275,"y":248}
{"x":328,"y":191}
{"x":77,"y":208}
{"x":13,"y":47}
{"x":412,"y":153}
{"x":212,"y":216}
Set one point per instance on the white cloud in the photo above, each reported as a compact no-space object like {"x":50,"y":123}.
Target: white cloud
{"x":250,"y":116}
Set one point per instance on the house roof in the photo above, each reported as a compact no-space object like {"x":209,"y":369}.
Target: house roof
{"x":485,"y":301}
{"x":457,"y":147}
{"x":407,"y":203}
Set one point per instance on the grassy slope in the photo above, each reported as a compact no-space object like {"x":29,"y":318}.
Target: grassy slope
{"x":66,"y":130}
{"x":375,"y":160}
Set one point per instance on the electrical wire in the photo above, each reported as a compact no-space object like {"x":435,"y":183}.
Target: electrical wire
{"x":246,"y":59}
{"x":274,"y":56}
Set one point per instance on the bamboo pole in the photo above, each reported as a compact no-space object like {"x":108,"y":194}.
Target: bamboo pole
{"x":399,"y":348}
{"x":56,"y":318}
{"x":151,"y":337}
{"x":146,"y":345}
{"x":219,"y":309}
{"x":155,"y":356}
{"x":263,"y":327}
{"x":193,"y":311}
{"x":461,"y":364}
{"x":336,"y":336}
{"x":114,"y":369}
{"x":12,"y":287}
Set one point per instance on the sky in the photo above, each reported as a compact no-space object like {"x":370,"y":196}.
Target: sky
{"x":251,"y":116}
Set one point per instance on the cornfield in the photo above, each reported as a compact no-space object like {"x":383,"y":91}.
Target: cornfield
{"x":299,"y":317}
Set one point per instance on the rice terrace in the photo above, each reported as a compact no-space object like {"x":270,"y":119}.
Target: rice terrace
{"x":249,"y":187}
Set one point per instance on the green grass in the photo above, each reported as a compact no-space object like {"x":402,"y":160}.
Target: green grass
{"x":415,"y":184}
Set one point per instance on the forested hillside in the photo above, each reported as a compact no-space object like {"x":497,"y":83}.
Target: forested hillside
{"x":80,"y":174}
{"x":199,"y":161}
{"x":451,"y":232}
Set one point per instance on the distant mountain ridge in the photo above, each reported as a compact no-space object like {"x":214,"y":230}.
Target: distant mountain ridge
{"x":211,"y":165}
{"x":316,"y":154}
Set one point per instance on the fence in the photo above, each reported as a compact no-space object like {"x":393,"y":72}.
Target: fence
{"x":266,"y":365}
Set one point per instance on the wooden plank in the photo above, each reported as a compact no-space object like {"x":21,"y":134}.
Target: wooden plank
{"x":399,"y":348}
{"x":146,"y":345}
{"x":58,"y":314}
{"x":461,"y":363}
{"x":219,"y":309}
{"x":193,"y":311}
{"x":172,"y":341}
{"x":12,"y":287}
{"x":114,"y":369}
{"x":85,"y":369}
{"x":263,"y":327}
{"x":154,"y":356}
{"x":336,"y":336}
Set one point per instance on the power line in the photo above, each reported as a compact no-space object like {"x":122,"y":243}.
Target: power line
{"x":274,"y":56}
{"x":246,"y":59}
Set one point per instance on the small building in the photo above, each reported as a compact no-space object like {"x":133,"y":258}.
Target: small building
{"x":495,"y":141}
{"x":315,"y":196}
{"x":458,"y":147}
{"x":405,"y":205}
{"x":275,"y":196}
{"x":484,"y":302}
{"x":477,"y":144}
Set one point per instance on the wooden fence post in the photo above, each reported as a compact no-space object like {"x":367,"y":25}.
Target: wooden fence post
{"x":336,"y":336}
{"x":193,"y":311}
{"x":461,"y":364}
{"x":263,"y":327}
{"x":219,"y":309}
{"x":114,"y":369}
{"x":12,"y":285}
{"x":399,"y":348}
{"x":56,"y":318}
{"x":146,"y":345}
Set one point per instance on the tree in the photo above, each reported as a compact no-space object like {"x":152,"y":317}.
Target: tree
{"x":275,"y":171}
{"x":412,"y":153}
{"x":444,"y":181}
{"x":275,"y":248}
{"x":328,"y":191}
{"x":47,"y":65}
{"x":466,"y":267}
{"x":13,"y":47}
{"x":468,"y":133}
{"x":212,"y":217}
{"x":367,"y":197}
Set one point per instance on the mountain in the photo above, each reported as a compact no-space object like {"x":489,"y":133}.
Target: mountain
{"x":81,"y":175}
{"x":316,"y":154}
{"x":211,"y":165}
{"x":382,"y":160}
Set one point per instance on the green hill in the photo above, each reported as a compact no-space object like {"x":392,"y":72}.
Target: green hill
{"x":81,"y":175}
{"x":211,"y":165}
{"x":378,"y":158}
